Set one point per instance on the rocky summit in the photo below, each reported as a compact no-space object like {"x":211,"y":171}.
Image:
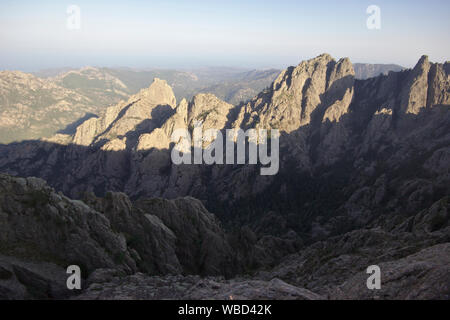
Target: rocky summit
{"x":364,"y":180}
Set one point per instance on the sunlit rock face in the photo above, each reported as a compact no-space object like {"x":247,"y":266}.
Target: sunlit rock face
{"x":299,"y":91}
{"x":147,"y":109}
{"x":326,"y":118}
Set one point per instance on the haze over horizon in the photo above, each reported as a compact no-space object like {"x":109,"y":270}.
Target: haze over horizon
{"x":189,"y":34}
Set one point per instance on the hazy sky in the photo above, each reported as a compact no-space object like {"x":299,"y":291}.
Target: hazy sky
{"x":254,"y":33}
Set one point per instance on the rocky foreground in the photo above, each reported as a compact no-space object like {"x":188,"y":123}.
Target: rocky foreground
{"x":176,"y":249}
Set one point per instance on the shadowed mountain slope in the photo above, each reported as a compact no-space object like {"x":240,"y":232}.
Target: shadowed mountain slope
{"x":349,"y":149}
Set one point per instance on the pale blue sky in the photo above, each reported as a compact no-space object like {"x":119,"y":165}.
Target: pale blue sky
{"x":33,"y":34}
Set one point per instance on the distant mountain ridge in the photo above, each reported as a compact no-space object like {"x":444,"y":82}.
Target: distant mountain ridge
{"x":32,"y":107}
{"x":67,"y":96}
{"x":365,"y":71}
{"x":88,"y":91}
